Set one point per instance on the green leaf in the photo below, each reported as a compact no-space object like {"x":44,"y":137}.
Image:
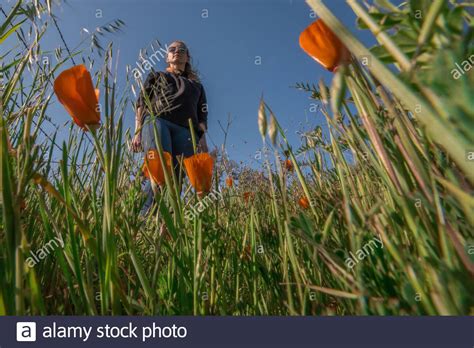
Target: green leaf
{"x":384,"y":20}
{"x":6,"y":67}
{"x":9,"y":218}
{"x":455,"y":20}
{"x":10,"y":18}
{"x":386,"y":5}
{"x":11,"y":31}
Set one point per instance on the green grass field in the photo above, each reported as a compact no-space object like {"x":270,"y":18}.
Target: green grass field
{"x":404,"y":118}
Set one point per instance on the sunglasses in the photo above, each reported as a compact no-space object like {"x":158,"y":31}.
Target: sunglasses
{"x":174,"y":49}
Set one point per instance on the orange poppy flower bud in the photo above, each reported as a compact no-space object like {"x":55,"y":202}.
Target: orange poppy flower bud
{"x":248,"y":196}
{"x":303,"y":202}
{"x":321,"y":44}
{"x":199,"y":169}
{"x":75,"y":91}
{"x":155,"y":170}
{"x":229,"y":181}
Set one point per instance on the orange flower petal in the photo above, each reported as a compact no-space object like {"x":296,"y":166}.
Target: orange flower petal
{"x":303,"y":202}
{"x":155,"y":169}
{"x":75,"y":91}
{"x":321,"y":44}
{"x":248,"y":196}
{"x":199,"y":168}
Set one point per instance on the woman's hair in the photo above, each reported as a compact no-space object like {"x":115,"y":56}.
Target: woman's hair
{"x":189,"y":71}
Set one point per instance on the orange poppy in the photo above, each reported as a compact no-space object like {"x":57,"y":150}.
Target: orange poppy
{"x":229,"y":181}
{"x":75,"y":91}
{"x":199,"y":169}
{"x":289,"y":165}
{"x":303,"y":202}
{"x":321,"y":44}
{"x":154,"y":166}
{"x":248,"y":195}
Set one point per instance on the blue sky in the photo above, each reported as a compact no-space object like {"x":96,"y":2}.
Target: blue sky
{"x":225,"y":38}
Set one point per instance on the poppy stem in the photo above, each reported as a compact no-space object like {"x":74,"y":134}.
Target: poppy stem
{"x":97,"y":146}
{"x":193,"y":136}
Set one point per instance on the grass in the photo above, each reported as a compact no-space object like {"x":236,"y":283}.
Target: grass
{"x":392,"y":165}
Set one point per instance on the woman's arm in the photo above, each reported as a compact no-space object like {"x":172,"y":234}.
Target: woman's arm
{"x":137,"y":137}
{"x":202,"y":145}
{"x":145,"y":93}
{"x":202,"y":119}
{"x":202,"y":110}
{"x":139,"y":118}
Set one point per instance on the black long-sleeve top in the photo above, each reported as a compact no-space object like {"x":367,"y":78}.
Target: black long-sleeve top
{"x":180,"y":98}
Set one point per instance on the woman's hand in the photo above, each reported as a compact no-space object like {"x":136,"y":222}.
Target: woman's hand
{"x":202,"y":145}
{"x":202,"y":126}
{"x":137,"y":138}
{"x":137,"y":142}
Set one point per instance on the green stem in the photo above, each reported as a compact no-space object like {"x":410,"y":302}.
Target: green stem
{"x":193,"y":136}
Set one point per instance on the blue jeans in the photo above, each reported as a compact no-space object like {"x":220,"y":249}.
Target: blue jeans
{"x":175,"y":139}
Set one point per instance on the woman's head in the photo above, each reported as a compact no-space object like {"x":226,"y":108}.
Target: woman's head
{"x":178,"y":55}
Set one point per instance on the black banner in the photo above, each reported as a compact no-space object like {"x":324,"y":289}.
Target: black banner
{"x":183,"y":331}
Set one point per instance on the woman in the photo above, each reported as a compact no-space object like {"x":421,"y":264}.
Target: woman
{"x":175,"y":95}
